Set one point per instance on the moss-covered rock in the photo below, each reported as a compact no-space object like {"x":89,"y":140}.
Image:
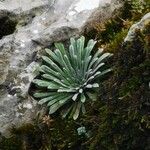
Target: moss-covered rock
{"x":124,"y":114}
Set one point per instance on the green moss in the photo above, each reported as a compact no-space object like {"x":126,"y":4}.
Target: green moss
{"x":56,"y":135}
{"x":131,"y":12}
{"x":124,"y":122}
{"x":116,"y":43}
{"x":13,"y":143}
{"x":28,"y":136}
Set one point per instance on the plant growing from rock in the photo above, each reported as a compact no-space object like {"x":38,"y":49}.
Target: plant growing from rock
{"x":69,"y":77}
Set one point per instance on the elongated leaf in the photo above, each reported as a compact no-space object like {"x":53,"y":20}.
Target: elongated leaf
{"x":55,"y":57}
{"x":57,"y":105}
{"x":95,"y":58}
{"x":61,"y":47}
{"x":75,"y":96}
{"x":83,"y":109}
{"x":104,"y":72}
{"x":67,"y":61}
{"x":86,"y":63}
{"x":66,"y":111}
{"x":55,"y":66}
{"x":97,"y":68}
{"x":89,"y":48}
{"x":65,"y":99}
{"x":43,"y":94}
{"x":82,"y":41}
{"x":48,"y":70}
{"x":80,"y":47}
{"x":54,"y":107}
{"x":52,"y":78}
{"x":69,"y":75}
{"x":99,"y":52}
{"x":77,"y":111}
{"x":48,"y":51}
{"x":73,"y":43}
{"x":104,"y":56}
{"x":71,"y":54}
{"x":60,"y":58}
{"x":83,"y":98}
{"x":53,"y":101}
{"x":66,"y":90}
{"x":74,"y":106}
{"x":92,"y":62}
{"x":59,"y":98}
{"x":41,"y":83}
{"x":47,"y":99}
{"x":51,"y":63}
{"x":53,"y":86}
{"x":60,"y":76}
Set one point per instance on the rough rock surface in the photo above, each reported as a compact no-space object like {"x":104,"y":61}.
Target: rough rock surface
{"x":36,"y":24}
{"x":139,"y":25}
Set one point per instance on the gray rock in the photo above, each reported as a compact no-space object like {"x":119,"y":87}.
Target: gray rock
{"x":139,"y":25}
{"x":39,"y":24}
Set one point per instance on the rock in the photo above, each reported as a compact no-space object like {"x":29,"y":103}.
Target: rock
{"x":138,"y":26}
{"x":36,"y":24}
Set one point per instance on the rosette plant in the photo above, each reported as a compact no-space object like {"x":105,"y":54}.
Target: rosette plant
{"x":69,"y":76}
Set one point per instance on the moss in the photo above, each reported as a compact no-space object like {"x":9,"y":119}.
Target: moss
{"x":13,"y":143}
{"x":28,"y":136}
{"x":131,"y":12}
{"x":46,"y":134}
{"x":117,"y":42}
{"x":138,"y":8}
{"x":122,"y":124}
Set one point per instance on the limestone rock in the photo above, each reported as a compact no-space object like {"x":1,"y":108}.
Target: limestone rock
{"x":139,"y":25}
